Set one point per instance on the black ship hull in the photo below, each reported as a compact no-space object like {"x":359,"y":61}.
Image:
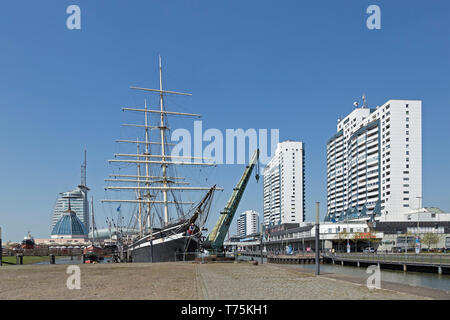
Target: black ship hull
{"x":169,"y":244}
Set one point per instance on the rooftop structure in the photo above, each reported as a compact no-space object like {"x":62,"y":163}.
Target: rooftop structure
{"x":69,"y":226}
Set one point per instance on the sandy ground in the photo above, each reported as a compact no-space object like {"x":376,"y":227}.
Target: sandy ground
{"x":187,"y":281}
{"x":100,"y":281}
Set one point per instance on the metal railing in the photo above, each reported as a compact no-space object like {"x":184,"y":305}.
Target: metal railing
{"x":411,"y":258}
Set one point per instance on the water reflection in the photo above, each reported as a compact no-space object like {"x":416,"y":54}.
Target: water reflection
{"x":416,"y":279}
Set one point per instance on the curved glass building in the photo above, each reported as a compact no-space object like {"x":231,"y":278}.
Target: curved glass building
{"x":79,"y":204}
{"x":69,"y":226}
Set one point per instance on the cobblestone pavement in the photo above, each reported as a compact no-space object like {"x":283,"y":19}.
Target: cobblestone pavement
{"x":186,"y":281}
{"x":268,"y":281}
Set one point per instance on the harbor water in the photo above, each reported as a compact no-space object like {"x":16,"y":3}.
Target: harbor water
{"x":415,"y":279}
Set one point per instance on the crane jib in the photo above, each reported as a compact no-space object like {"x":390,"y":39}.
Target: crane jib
{"x":216,"y":237}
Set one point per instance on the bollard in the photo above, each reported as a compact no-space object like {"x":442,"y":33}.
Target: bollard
{"x":71,"y":257}
{"x":404,"y":267}
{"x":357,"y":263}
{"x":52,"y":259}
{"x":439,"y":270}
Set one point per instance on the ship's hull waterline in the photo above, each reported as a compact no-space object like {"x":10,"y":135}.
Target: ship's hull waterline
{"x":174,"y":247}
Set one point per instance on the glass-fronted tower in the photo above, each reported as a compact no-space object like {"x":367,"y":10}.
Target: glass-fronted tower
{"x":78,"y":201}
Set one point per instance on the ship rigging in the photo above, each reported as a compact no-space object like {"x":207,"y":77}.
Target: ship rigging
{"x":156,"y":185}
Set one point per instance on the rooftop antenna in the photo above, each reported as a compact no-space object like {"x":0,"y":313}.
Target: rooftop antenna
{"x":69,"y":209}
{"x":364,"y":101}
{"x":83,"y":170}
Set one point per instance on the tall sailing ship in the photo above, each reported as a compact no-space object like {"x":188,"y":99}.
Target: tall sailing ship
{"x":168,"y":228}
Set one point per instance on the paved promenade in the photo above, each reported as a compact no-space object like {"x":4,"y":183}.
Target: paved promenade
{"x":191,"y":281}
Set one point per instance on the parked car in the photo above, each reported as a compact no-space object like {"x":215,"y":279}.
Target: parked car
{"x":369,"y":250}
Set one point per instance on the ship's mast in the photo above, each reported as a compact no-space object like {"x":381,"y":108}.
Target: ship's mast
{"x":144,"y":182}
{"x":93,"y":220}
{"x":147,"y":168}
{"x":139,"y":197}
{"x":162,"y":129}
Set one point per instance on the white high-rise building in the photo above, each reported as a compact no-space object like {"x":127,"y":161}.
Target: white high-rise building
{"x":374,"y":163}
{"x":284,"y":185}
{"x":248,"y":223}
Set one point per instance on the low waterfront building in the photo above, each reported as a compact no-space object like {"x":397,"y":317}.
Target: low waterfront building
{"x":357,"y":235}
{"x":63,"y":242}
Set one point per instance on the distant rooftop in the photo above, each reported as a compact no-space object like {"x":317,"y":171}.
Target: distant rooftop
{"x":434,"y":210}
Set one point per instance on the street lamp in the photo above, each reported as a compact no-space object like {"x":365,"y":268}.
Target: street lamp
{"x":317,"y":239}
{"x":348,"y":235}
{"x":418,"y":233}
{"x":418,"y":210}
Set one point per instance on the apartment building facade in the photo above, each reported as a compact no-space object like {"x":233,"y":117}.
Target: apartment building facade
{"x":284,"y":185}
{"x":248,"y":223}
{"x":374,"y":163}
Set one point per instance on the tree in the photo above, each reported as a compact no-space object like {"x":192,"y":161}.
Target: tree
{"x":430,"y":239}
{"x":342,"y":236}
{"x":356,"y":236}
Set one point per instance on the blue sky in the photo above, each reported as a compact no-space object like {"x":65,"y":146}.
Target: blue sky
{"x":292,"y":65}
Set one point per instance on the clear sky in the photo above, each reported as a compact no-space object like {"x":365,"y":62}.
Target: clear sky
{"x":292,"y":65}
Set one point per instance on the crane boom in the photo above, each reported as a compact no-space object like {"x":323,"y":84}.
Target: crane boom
{"x":215,"y":239}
